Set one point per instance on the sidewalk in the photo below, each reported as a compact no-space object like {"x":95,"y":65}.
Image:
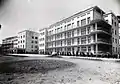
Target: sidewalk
{"x":68,"y":57}
{"x":93,"y":58}
{"x":28,"y":55}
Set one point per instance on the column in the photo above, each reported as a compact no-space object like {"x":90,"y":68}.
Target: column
{"x":79,"y":31}
{"x":95,"y":37}
{"x":79,"y":41}
{"x":95,"y":26}
{"x":92,"y":39}
{"x":86,"y":39}
{"x":91,"y":28}
{"x":87,"y":48}
{"x":96,"y":48}
{"x":92,"y":49}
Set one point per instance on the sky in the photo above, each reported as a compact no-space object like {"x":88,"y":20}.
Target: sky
{"x":19,"y":15}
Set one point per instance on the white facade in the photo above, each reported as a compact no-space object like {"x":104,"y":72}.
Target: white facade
{"x":42,"y":40}
{"x":113,"y":21}
{"x":11,"y":40}
{"x":28,"y":40}
{"x":83,"y":31}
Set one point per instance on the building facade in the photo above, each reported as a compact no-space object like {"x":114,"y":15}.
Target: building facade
{"x":10,"y":43}
{"x":86,"y":31}
{"x":42,"y":40}
{"x":28,"y":41}
{"x":113,"y":21}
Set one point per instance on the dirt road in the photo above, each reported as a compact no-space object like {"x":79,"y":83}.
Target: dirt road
{"x":85,"y":72}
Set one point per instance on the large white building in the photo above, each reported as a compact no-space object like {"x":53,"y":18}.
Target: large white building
{"x":9,"y":44}
{"x":90,"y":30}
{"x":28,"y":40}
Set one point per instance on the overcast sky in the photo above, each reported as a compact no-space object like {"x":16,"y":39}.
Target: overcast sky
{"x":18,"y":15}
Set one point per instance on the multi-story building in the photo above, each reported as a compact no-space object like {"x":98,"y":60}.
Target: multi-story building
{"x":88,"y":31}
{"x":42,"y":40}
{"x":112,"y":19}
{"x":28,"y":41}
{"x":9,"y":44}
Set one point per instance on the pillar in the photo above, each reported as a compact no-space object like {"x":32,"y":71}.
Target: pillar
{"x":87,"y":48}
{"x":92,"y":39}
{"x":95,"y":37}
{"x":95,"y":26}
{"x":96,"y":48}
{"x":92,"y":49}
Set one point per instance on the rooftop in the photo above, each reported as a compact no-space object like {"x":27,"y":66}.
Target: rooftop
{"x":75,"y":15}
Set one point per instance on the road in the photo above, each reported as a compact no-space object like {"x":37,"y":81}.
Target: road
{"x":85,"y":72}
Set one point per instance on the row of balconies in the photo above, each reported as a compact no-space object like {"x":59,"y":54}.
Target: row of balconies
{"x":102,"y":41}
{"x":99,"y":29}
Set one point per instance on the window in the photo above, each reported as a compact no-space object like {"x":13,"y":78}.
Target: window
{"x":88,"y":30}
{"x":83,"y":22}
{"x":78,"y":31}
{"x":32,"y":41}
{"x":23,"y":36}
{"x":107,"y":21}
{"x":113,"y":40}
{"x":69,"y":26}
{"x":72,"y":25}
{"x":83,"y":48}
{"x":65,"y":27}
{"x":36,"y":42}
{"x":116,"y":41}
{"x":112,"y":21}
{"x":32,"y":46}
{"x":89,"y":48}
{"x":23,"y":41}
{"x":115,"y":24}
{"x":69,"y":34}
{"x":89,"y":39}
{"x":115,"y":32}
{"x":32,"y":37}
{"x":61,"y":43}
{"x":88,"y":20}
{"x":73,"y":33}
{"x":78,"y":23}
{"x":78,"y":40}
{"x":116,"y":49}
{"x":112,"y":30}
{"x":23,"y":46}
{"x":36,"y":47}
{"x":83,"y":40}
{"x":83,"y":31}
{"x":36,"y":37}
{"x":69,"y":42}
{"x":73,"y":41}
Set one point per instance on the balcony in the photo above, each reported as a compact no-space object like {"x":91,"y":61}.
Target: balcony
{"x":102,"y":41}
{"x":100,"y":29}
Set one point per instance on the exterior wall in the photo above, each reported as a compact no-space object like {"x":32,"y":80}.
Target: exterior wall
{"x":9,"y":43}
{"x":42,"y":40}
{"x":113,"y":21}
{"x":74,"y":33}
{"x":28,"y":40}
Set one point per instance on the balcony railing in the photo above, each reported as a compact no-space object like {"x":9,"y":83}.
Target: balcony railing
{"x":101,"y":29}
{"x":104,"y":41}
{"x":104,"y":29}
